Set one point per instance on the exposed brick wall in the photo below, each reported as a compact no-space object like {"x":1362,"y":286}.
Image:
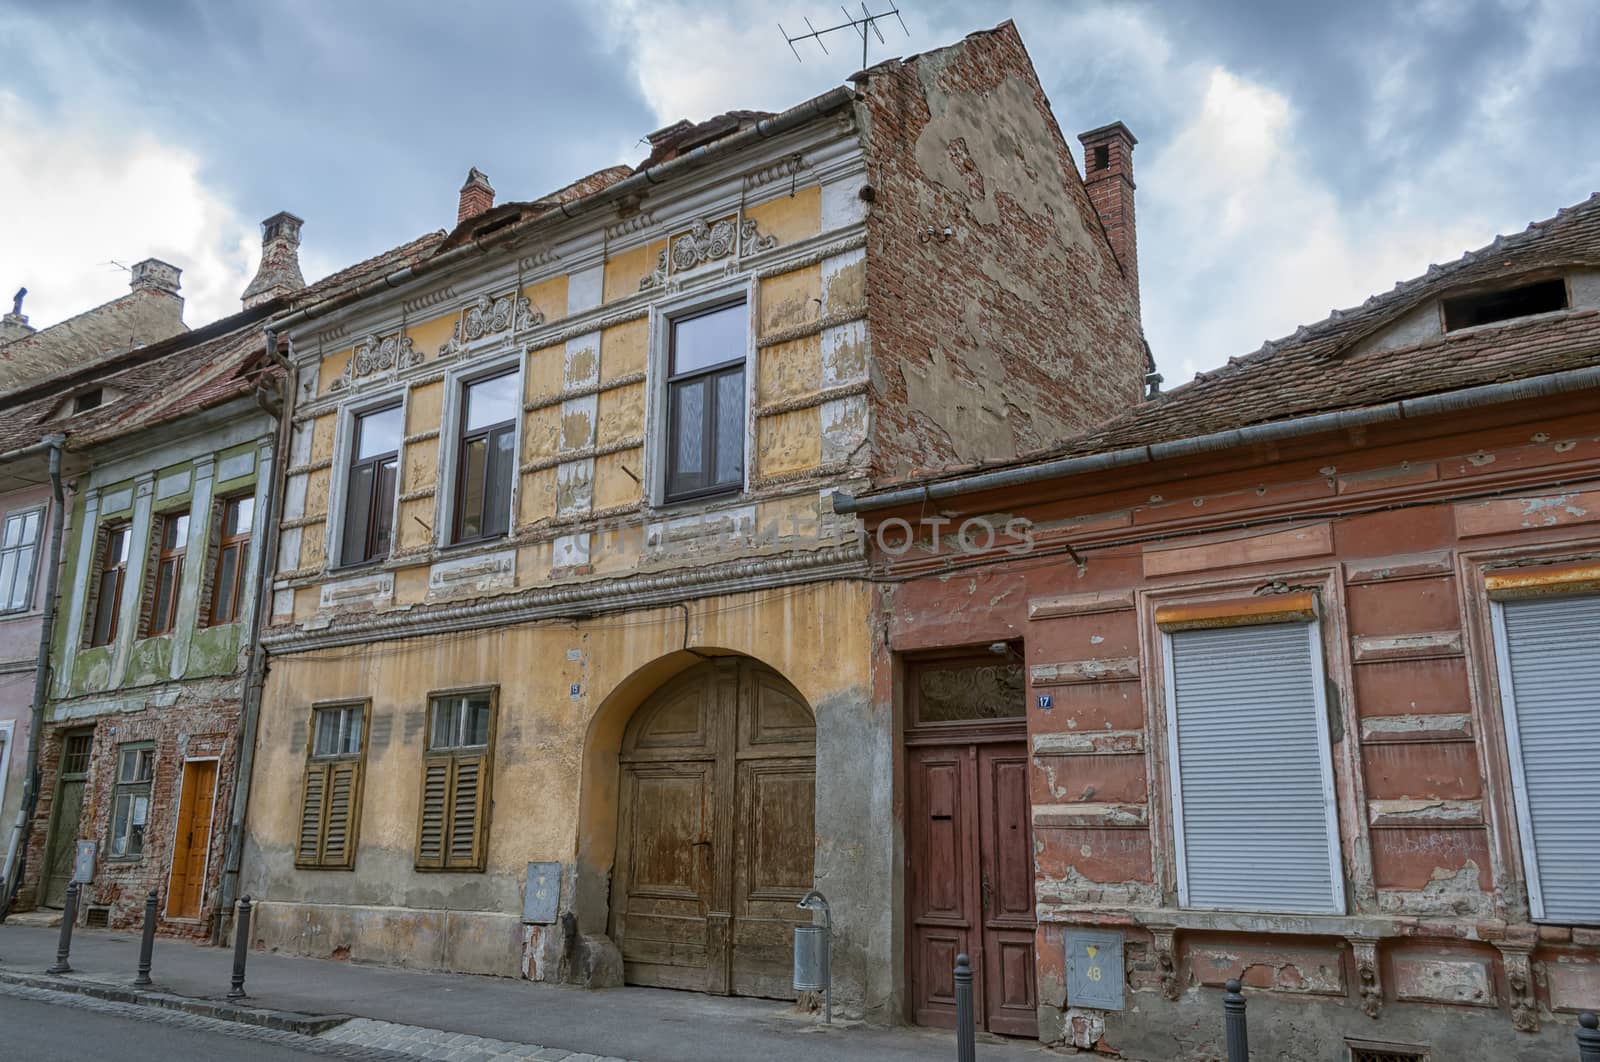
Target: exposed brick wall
{"x":195,"y":729}
{"x":1020,"y":327}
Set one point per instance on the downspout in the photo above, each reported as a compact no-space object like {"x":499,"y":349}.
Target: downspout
{"x":22,"y":833}
{"x":255,"y":661}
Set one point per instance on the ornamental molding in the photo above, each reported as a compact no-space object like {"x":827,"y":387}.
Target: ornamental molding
{"x":430,"y":298}
{"x":777,"y":171}
{"x":487,"y":317}
{"x":541,"y":257}
{"x":705,"y":242}
{"x":377,"y":358}
{"x":637,"y":223}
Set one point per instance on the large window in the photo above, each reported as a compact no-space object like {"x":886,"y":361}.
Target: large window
{"x":453,"y":826}
{"x":1251,"y":769}
{"x":705,"y":402}
{"x":486,"y":457}
{"x":237,"y":515}
{"x":172,"y":542}
{"x":19,"y":553}
{"x":111,"y":570}
{"x":130,"y":809}
{"x":1549,"y":662}
{"x":370,"y":486}
{"x":330,"y":805}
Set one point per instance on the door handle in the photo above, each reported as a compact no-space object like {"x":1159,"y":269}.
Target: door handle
{"x":986,"y":889}
{"x":697,"y":844}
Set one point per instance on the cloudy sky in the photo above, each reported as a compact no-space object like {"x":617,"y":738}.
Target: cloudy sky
{"x":1293,"y":157}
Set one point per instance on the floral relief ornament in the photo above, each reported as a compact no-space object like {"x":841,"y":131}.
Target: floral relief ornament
{"x":373,"y":356}
{"x":487,"y":316}
{"x":707,"y":242}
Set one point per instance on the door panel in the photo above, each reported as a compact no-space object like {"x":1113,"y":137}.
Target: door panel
{"x":970,"y":883}
{"x":192,"y":844}
{"x":715,"y":832}
{"x":63,"y":840}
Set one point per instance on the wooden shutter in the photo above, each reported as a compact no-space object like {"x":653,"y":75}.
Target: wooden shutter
{"x":431,"y":823}
{"x":1252,"y":770}
{"x":469,"y":803}
{"x":313,"y":806}
{"x":343,"y":815}
{"x":1549,"y":661}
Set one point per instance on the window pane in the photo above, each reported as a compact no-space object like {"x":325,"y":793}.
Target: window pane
{"x":687,"y":413}
{"x":497,"y":485}
{"x":474,"y":455}
{"x":477,"y":728}
{"x":378,"y":432}
{"x":136,"y":821}
{"x":119,"y":824}
{"x":327,"y":739}
{"x":352,"y":731}
{"x":357,"y":512}
{"x":175,"y":531}
{"x":147,"y":765}
{"x":442,"y":737}
{"x":491,"y":401}
{"x":106,"y":606}
{"x":30,"y":526}
{"x":730,"y":428}
{"x":709,"y":339}
{"x":222,"y":602}
{"x":127,"y":765}
{"x":383,"y":510}
{"x":13,"y":532}
{"x":12,"y":589}
{"x":117,"y":546}
{"x":240,"y":515}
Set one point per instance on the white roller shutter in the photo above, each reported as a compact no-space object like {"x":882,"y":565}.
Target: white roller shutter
{"x":1252,"y":773}
{"x":1549,"y":662}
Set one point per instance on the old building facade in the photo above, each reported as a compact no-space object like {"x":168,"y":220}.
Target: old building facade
{"x":571,"y":667}
{"x":1287,"y":675}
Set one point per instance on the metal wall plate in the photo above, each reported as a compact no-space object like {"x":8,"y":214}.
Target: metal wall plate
{"x":1094,"y":969}
{"x":542,"y":895}
{"x":83,"y":863}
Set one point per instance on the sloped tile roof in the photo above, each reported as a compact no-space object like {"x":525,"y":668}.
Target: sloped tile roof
{"x":112,"y":328}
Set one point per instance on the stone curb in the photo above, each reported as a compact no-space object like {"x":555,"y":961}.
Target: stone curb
{"x":282,"y":1020}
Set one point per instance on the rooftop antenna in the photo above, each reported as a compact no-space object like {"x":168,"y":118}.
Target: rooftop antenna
{"x":865,"y":25}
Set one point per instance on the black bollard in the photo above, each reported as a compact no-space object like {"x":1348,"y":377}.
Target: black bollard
{"x":69,"y":915}
{"x":147,"y":943}
{"x":1588,"y":1037}
{"x":1233,"y":1022}
{"x":241,"y":948}
{"x":966,"y":1047}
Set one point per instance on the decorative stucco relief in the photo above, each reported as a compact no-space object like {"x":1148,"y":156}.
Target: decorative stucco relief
{"x":374,"y":357}
{"x":486,"y":317}
{"x":707,"y":241}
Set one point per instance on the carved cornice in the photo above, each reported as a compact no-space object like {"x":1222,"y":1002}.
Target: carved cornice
{"x":542,"y":257}
{"x":848,"y":315}
{"x":637,"y":223}
{"x":542,"y":463}
{"x":429,"y":298}
{"x":488,"y":317}
{"x":818,"y":398}
{"x":377,"y":358}
{"x":548,"y":400}
{"x":776,"y":171}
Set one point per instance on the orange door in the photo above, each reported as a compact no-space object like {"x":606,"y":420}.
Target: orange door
{"x":192,"y":845}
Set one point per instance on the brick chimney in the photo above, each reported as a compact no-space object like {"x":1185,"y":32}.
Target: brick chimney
{"x":279,"y":272}
{"x":476,"y":195}
{"x":153,"y":274}
{"x":1108,"y":177}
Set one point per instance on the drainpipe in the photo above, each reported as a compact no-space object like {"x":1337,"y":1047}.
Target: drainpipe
{"x":23,"y":831}
{"x":256,"y":657}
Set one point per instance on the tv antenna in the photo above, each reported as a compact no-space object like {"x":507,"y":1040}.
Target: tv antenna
{"x":865,"y":25}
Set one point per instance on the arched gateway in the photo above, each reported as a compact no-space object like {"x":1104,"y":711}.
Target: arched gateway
{"x":715,"y":831}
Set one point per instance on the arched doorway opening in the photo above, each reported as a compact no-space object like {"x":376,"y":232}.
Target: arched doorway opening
{"x":715,"y":831}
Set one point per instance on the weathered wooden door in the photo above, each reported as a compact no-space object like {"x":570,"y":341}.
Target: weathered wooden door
{"x":65,"y":811}
{"x":191,"y":846}
{"x":970,"y":845}
{"x":715,"y":832}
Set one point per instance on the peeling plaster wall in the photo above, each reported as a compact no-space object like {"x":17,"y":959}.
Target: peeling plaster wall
{"x":1017,"y":329}
{"x":1392,"y":530}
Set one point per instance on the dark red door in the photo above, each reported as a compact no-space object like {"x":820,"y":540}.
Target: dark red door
{"x":971,"y":883}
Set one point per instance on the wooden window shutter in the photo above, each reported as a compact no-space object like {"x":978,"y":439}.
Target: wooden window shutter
{"x":431,"y":823}
{"x":343,"y":815}
{"x":313,"y":808}
{"x":469,"y":803}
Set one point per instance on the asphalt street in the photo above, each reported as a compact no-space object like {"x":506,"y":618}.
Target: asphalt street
{"x":56,"y":1027}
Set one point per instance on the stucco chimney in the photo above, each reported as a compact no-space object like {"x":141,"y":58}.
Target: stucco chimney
{"x":1108,"y":177}
{"x":153,"y":274}
{"x":476,"y":196}
{"x":279,"y":272}
{"x":14,"y":325}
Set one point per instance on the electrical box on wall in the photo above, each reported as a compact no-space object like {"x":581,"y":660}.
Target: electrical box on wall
{"x":1094,"y":969}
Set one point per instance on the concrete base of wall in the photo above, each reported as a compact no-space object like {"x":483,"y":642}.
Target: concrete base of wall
{"x":480,"y":942}
{"x":1155,"y":1029}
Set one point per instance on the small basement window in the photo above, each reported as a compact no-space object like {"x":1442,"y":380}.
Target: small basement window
{"x":1464,"y":311}
{"x":1371,"y":1052}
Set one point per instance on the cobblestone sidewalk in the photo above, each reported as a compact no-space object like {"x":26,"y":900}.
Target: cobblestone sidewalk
{"x":415,"y":1041}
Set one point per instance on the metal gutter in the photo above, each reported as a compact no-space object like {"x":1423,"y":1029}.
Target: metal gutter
{"x":255,"y":652}
{"x":1277,"y":431}
{"x":765,"y":129}
{"x":18,"y":850}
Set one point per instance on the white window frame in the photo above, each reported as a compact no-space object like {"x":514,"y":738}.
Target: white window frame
{"x":8,"y":734}
{"x":338,"y":480}
{"x":33,"y":569}
{"x":1319,"y":682}
{"x":456,"y":380}
{"x":662,"y":316}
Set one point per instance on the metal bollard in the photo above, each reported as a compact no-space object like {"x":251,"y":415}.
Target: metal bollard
{"x":241,"y":948}
{"x":147,"y":942}
{"x":966,"y":1048}
{"x":1588,"y":1037}
{"x":1233,"y":1022}
{"x":69,"y":915}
